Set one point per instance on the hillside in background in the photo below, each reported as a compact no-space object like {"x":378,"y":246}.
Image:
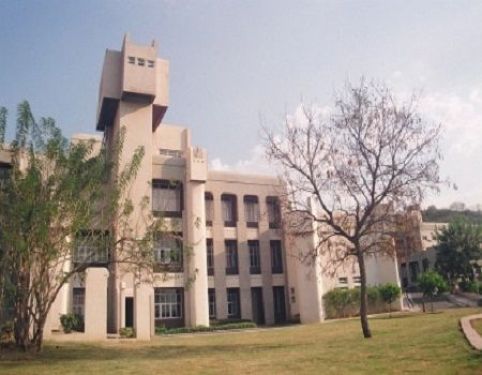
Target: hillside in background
{"x":445,"y":215}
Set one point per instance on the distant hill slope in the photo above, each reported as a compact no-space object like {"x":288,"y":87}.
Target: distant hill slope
{"x":445,"y":215}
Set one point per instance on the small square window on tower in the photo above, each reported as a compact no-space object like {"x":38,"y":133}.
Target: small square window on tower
{"x":150,"y":63}
{"x":131,"y":60}
{"x":141,"y":62}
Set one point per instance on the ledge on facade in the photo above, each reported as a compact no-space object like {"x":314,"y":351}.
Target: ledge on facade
{"x":166,"y":214}
{"x":162,"y":268}
{"x":232,"y":271}
{"x":254,"y":270}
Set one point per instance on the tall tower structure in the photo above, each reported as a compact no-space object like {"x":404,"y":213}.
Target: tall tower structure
{"x":133,"y":96}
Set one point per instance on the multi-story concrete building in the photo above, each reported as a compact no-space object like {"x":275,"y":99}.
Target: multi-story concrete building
{"x":415,"y":246}
{"x":229,"y":259}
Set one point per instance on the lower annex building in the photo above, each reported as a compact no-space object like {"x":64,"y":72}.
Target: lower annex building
{"x":244,"y":267}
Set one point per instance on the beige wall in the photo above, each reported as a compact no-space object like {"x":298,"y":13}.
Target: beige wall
{"x":240,"y":185}
{"x":135,"y":98}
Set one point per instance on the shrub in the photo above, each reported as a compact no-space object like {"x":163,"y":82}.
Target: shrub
{"x":471,"y":286}
{"x":72,"y":322}
{"x":339,"y":302}
{"x":342,"y":303}
{"x":389,"y":293}
{"x":127,"y":332}
{"x":214,"y":327}
{"x":431,"y":284}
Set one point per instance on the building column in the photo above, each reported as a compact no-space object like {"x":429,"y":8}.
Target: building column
{"x":143,"y":311}
{"x":309,"y":274}
{"x":195,"y":239}
{"x":96,"y":303}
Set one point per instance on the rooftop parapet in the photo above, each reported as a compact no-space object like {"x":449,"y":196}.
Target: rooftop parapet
{"x":134,"y":74}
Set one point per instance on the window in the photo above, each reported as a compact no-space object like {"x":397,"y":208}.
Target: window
{"x":254,"y":257}
{"x":167,"y":252}
{"x":210,"y":256}
{"x":234,"y":308}
{"x":274,"y":215}
{"x":414,"y":271}
{"x":279,"y":306}
{"x":357,"y":279}
{"x":91,"y":247}
{"x":171,"y":153}
{"x":425,"y":264}
{"x":276,"y":257}
{"x":228,"y":203}
{"x":168,"y":303}
{"x":78,"y":301}
{"x":251,"y":211}
{"x":231,"y":248}
{"x":150,"y":63}
{"x":212,"y":303}
{"x":140,"y":61}
{"x":209,"y":206}
{"x":4,"y":171}
{"x":167,"y":198}
{"x":343,"y":281}
{"x":131,"y":60}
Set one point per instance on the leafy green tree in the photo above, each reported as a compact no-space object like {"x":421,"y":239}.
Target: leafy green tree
{"x":389,"y":293}
{"x":431,"y":285}
{"x":458,"y":248}
{"x":55,"y":195}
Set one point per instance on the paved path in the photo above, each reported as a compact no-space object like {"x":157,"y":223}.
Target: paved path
{"x":470,"y":333}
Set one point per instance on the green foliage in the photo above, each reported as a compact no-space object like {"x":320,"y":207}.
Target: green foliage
{"x":54,"y":191}
{"x":3,"y":125}
{"x":474,"y":286}
{"x":432,"y":284}
{"x":72,"y":322}
{"x":211,"y":328}
{"x":445,"y":215}
{"x":341,"y":303}
{"x":127,"y":332}
{"x":389,"y":292}
{"x":457,"y":250}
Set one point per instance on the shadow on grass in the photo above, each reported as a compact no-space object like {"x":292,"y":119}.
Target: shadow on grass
{"x":395,"y":316}
{"x":58,"y":354}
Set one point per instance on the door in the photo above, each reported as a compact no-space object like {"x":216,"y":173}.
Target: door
{"x":279,"y":304}
{"x":257,"y":305}
{"x":129,"y":312}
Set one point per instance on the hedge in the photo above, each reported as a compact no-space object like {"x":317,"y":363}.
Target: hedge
{"x":343,"y":303}
{"x":217,"y":326}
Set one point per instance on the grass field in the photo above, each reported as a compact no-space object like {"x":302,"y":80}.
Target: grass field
{"x":403,"y":344}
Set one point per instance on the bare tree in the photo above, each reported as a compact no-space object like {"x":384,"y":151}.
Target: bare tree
{"x":372,"y":155}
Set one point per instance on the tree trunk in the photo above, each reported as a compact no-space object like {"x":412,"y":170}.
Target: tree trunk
{"x":363,"y":296}
{"x":21,"y":321}
{"x":21,"y":328}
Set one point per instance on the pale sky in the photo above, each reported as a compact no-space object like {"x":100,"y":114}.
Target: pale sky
{"x":235,"y":64}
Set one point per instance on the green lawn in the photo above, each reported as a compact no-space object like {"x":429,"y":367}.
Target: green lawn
{"x":404,"y":344}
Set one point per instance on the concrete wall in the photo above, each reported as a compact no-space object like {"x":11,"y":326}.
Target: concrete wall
{"x":96,"y":303}
{"x":240,"y":185}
